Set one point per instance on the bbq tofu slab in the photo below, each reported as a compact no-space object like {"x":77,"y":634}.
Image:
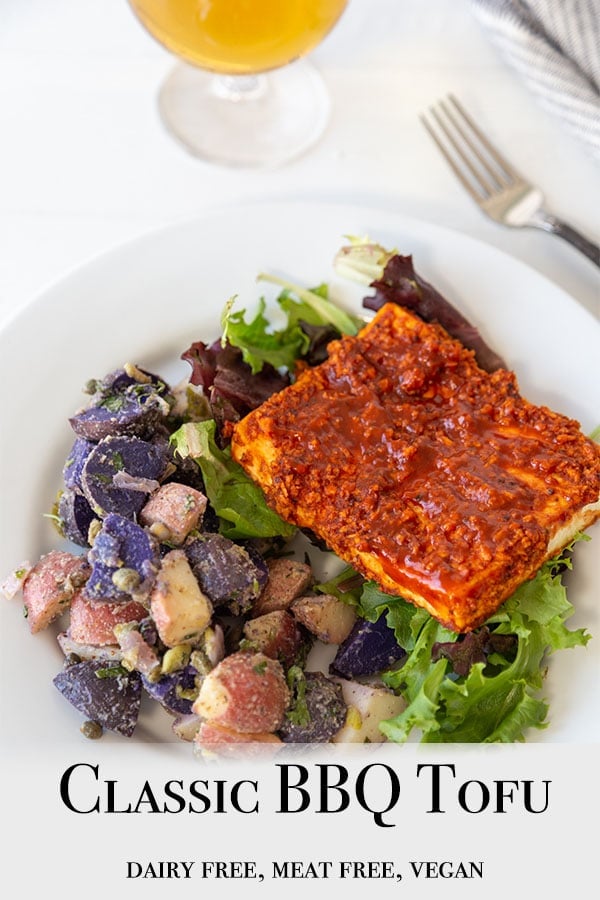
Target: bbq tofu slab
{"x":430,"y":476}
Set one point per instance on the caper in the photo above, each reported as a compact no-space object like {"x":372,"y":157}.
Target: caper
{"x":71,"y":659}
{"x":160,"y":531}
{"x":92,"y":730}
{"x":126,"y":579}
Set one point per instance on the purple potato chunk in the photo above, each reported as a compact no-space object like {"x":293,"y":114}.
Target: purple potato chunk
{"x":103,"y":692}
{"x":137,"y":410}
{"x":124,"y":560}
{"x":76,"y":515}
{"x":226,"y":572}
{"x":318,"y":711}
{"x":120,"y":380}
{"x":120,"y":473}
{"x":75,"y":462}
{"x":262,"y":570}
{"x":369,"y":648}
{"x":168,"y":690}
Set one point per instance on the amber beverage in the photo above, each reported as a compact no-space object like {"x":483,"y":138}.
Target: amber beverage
{"x":237,"y":37}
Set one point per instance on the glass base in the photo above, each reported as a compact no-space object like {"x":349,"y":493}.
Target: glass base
{"x":245,"y":120}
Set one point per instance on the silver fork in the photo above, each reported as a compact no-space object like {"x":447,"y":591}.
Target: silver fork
{"x":494,"y":183}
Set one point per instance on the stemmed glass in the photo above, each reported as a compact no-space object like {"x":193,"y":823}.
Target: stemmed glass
{"x":235,"y":98}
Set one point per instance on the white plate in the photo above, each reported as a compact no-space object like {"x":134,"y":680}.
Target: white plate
{"x":146,"y":301}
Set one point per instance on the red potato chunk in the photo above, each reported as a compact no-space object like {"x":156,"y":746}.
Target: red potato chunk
{"x":211,"y":739}
{"x":246,"y":692}
{"x":51,"y":585}
{"x":277,"y":635}
{"x":173,"y":511}
{"x":180,"y":610}
{"x":288,"y":579}
{"x":328,"y":618}
{"x":94,"y":623}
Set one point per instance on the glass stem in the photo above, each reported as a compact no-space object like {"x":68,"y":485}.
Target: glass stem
{"x":239,"y":88}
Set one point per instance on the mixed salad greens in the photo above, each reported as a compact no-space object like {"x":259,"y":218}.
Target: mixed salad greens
{"x":140,"y":446}
{"x":482,"y":687}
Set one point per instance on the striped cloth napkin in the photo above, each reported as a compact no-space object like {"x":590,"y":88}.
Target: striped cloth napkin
{"x":555,"y":46}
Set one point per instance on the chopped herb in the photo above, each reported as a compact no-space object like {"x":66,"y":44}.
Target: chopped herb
{"x":117,"y":461}
{"x":114,"y":402}
{"x":58,"y":521}
{"x":55,"y":518}
{"x":20,"y":573}
{"x":25,"y":612}
{"x":298,"y":713}
{"x":247,"y":644}
{"x":111,"y":672}
{"x":261,"y":667}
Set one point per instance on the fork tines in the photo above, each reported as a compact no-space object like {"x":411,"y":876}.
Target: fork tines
{"x":474,"y":160}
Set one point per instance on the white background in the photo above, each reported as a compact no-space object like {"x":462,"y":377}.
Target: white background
{"x":84,"y":165}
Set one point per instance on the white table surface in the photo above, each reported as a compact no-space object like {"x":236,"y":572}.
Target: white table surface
{"x":85,"y":163}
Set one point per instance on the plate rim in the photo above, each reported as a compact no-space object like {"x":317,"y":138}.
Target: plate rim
{"x":156,"y":232}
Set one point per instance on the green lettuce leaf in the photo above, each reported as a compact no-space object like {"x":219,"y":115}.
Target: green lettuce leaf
{"x":239,"y":503}
{"x":346,"y":586}
{"x":498,"y":700}
{"x":404,"y":618}
{"x":261,"y":344}
{"x":318,"y":301}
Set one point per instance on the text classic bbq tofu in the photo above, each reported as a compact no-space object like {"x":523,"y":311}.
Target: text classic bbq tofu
{"x":430,"y":476}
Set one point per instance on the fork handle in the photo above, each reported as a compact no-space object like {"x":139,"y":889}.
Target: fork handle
{"x":561,"y":229}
